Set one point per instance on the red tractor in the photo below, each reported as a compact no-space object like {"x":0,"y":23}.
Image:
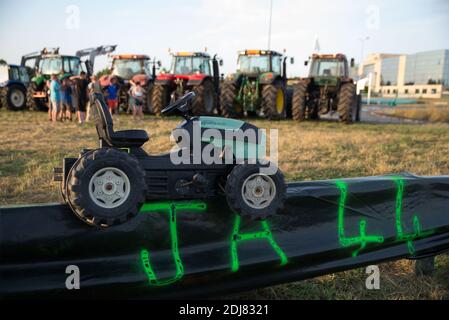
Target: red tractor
{"x":131,"y":67}
{"x":190,"y":71}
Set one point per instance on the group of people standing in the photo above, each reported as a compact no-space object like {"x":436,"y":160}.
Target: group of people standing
{"x":74,"y":95}
{"x":68,"y":96}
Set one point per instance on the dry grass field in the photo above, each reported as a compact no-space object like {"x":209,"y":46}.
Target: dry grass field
{"x":31,"y":147}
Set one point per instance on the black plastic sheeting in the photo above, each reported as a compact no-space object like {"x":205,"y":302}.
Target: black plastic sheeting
{"x":199,"y":249}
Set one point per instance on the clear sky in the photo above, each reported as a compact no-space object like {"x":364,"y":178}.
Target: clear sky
{"x":224,"y":27}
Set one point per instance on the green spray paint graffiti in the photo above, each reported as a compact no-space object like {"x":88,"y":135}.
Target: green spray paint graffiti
{"x":401,"y":235}
{"x":360,"y":241}
{"x":171,"y":208}
{"x":363,"y":239}
{"x":266,"y":234}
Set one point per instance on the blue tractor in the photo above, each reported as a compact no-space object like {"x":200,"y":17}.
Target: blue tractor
{"x":14,"y":81}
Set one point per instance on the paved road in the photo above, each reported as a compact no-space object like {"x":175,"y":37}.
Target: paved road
{"x":368,"y":116}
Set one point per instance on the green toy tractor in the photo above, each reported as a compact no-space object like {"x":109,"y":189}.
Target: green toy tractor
{"x":258,"y":87}
{"x":327,"y":89}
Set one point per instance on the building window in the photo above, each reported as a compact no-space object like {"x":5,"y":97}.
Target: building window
{"x":434,"y":91}
{"x":417,"y":91}
{"x":424,"y":91}
{"x":406,"y":91}
{"x":394,"y":91}
{"x":388,"y":91}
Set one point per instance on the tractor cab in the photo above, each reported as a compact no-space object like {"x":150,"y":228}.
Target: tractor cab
{"x":13,"y":73}
{"x":191,"y":63}
{"x":126,"y":66}
{"x":327,"y":69}
{"x":257,"y":62}
{"x":14,"y":81}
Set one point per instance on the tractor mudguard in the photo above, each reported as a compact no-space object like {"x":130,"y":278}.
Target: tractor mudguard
{"x":164,"y":79}
{"x":197,"y":79}
{"x":269,"y":78}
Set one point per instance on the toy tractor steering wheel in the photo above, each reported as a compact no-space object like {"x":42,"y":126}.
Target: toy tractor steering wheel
{"x":180,"y":104}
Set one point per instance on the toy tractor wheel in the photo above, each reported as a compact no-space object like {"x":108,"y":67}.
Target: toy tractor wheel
{"x":346,"y":102}
{"x":254,"y":194}
{"x":274,"y":101}
{"x":228,"y":102}
{"x":106,"y":187}
{"x":205,"y":101}
{"x":16,"y":98}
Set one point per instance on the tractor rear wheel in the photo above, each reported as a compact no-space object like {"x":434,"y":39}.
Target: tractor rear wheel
{"x":159,"y":98}
{"x":228,"y":102}
{"x":274,"y":101}
{"x":16,"y":98}
{"x":299,"y":105}
{"x":205,"y":101}
{"x":106,"y":187}
{"x":31,"y":103}
{"x":345,"y":102}
{"x":149,"y":90}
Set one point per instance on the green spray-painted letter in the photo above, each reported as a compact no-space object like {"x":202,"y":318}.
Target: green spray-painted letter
{"x":363,"y":239}
{"x":265,"y":234}
{"x":171,"y":208}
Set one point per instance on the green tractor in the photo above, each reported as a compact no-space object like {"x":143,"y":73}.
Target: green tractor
{"x":258,"y":87}
{"x":328,"y":89}
{"x":42,"y":64}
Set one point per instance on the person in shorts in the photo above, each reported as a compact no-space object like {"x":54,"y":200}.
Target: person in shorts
{"x":67,"y":105}
{"x":112,"y":93}
{"x":138,"y":95}
{"x":55,"y":97}
{"x":81,"y":84}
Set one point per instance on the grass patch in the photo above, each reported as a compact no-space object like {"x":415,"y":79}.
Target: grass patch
{"x":31,"y":147}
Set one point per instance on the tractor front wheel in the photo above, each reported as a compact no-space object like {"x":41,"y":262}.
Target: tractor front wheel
{"x":345,"y":102}
{"x":159,"y":98}
{"x":274,"y":101}
{"x":252,"y":193}
{"x":205,"y":101}
{"x":16,"y":98}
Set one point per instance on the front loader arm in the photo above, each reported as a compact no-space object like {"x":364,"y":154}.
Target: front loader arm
{"x":93,"y":53}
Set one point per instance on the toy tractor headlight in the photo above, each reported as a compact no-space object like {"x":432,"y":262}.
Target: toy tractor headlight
{"x":230,"y":77}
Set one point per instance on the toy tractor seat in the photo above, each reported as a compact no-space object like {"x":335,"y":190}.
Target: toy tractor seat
{"x":105,"y":130}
